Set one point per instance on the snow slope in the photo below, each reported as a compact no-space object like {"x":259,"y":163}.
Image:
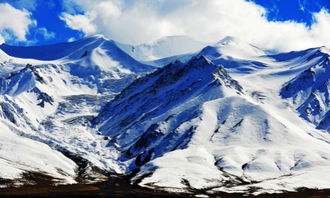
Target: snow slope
{"x":19,"y":155}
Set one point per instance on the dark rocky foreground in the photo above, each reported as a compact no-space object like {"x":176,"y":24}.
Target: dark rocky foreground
{"x":119,"y":187}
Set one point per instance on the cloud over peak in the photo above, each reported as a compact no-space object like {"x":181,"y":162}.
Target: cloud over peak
{"x":209,"y":20}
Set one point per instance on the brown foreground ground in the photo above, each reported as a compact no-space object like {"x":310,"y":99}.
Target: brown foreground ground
{"x":124,"y":190}
{"x":37,"y":185}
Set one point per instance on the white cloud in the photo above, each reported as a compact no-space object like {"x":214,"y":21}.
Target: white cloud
{"x":14,"y":23}
{"x":79,"y":22}
{"x":45,"y":33}
{"x":321,"y":29}
{"x":209,"y":20}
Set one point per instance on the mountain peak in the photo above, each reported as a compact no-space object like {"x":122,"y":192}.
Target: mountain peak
{"x":97,"y":36}
{"x":227,"y":40}
{"x":232,"y":47}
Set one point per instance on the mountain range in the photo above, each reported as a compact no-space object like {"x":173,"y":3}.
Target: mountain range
{"x":176,"y":114}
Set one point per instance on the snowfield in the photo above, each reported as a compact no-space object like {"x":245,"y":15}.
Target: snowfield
{"x":224,"y":117}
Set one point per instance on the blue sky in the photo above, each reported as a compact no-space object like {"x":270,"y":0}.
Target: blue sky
{"x":138,"y":21}
{"x":297,"y":10}
{"x":46,"y":13}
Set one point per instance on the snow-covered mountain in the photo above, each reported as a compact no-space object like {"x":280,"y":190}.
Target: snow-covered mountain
{"x":224,"y":117}
{"x":49,"y":94}
{"x":221,"y":136}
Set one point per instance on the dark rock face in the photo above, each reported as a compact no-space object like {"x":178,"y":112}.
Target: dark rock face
{"x":8,"y":112}
{"x":43,"y":97}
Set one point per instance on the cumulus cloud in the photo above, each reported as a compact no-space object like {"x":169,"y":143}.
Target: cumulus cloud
{"x":79,"y":22}
{"x":14,"y":23}
{"x":208,"y":20}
